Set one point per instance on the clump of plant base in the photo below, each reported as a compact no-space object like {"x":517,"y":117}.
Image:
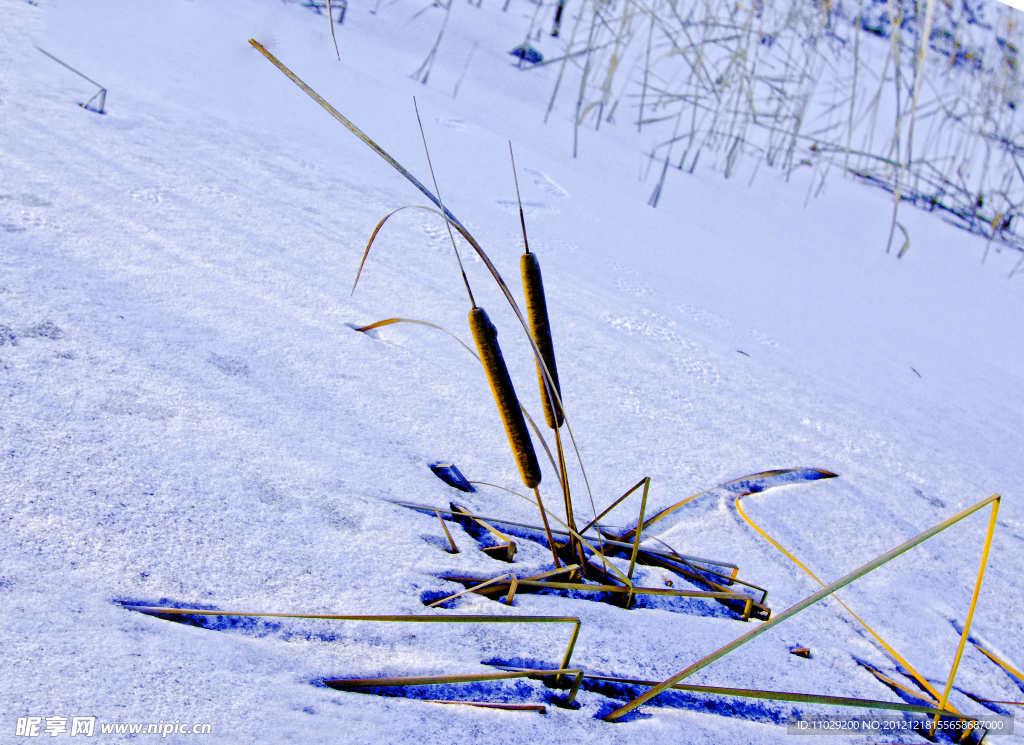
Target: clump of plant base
{"x":581,"y":557}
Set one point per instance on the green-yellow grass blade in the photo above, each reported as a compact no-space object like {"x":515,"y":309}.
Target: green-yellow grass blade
{"x":389,"y":321}
{"x":376,"y":230}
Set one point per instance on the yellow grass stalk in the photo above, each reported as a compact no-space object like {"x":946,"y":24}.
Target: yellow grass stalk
{"x":373,"y":236}
{"x":896,"y":655}
{"x":330,"y":22}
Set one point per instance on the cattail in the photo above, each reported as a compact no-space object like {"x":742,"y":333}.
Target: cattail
{"x":537,"y":312}
{"x":486,"y":337}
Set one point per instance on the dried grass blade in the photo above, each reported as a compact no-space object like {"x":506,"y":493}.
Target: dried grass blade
{"x":568,"y":531}
{"x":389,"y":321}
{"x":540,"y":709}
{"x":614,"y":504}
{"x":628,"y":535}
{"x":376,"y":230}
{"x":474,"y":588}
{"x":809,"y":698}
{"x":451,"y":542}
{"x":337,"y":115}
{"x":889,"y":648}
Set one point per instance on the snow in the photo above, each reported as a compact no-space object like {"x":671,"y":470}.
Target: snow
{"x":188,"y":416}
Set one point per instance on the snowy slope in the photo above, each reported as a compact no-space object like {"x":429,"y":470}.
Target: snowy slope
{"x":188,"y":417}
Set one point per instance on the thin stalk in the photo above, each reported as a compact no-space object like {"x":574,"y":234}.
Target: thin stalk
{"x":464,"y":69}
{"x":565,"y":60}
{"x":441,"y":204}
{"x":647,"y":72}
{"x":970,"y":613}
{"x":583,"y":84}
{"x":428,"y":63}
{"x":853,"y":91}
{"x":522,"y":218}
{"x":897,"y":22}
{"x":547,"y":528}
{"x":330,"y":22}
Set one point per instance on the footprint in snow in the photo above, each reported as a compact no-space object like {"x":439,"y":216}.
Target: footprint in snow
{"x":640,"y":327}
{"x":151,"y":196}
{"x":27,"y":200}
{"x":663,"y":320}
{"x":633,"y":287}
{"x":621,"y":268}
{"x":544,"y":182}
{"x":127,"y":403}
{"x":529,"y":207}
{"x":457,"y":124}
{"x":45,"y":330}
{"x":762,"y":339}
{"x":230,"y":365}
{"x":704,"y":317}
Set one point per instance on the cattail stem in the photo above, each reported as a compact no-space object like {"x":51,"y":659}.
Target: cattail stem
{"x":486,"y":337}
{"x":565,"y":60}
{"x":570,"y":519}
{"x":547,"y":528}
{"x":330,"y":22}
{"x":440,"y":203}
{"x":454,"y":222}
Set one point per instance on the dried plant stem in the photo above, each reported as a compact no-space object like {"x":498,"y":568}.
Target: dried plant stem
{"x":565,"y":60}
{"x":853,"y":88}
{"x":583,"y":83}
{"x":464,"y":69}
{"x":647,"y":73}
{"x":423,"y":73}
{"x":447,"y":225}
{"x":547,"y":528}
{"x":330,"y":22}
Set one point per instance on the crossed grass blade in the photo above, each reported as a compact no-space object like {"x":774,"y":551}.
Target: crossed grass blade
{"x":826,"y":592}
{"x":921,"y":679}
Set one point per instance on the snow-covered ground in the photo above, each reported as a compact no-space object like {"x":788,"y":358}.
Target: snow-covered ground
{"x":189,"y":418}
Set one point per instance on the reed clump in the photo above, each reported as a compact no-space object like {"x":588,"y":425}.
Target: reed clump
{"x":485,"y":336}
{"x":917,"y":97}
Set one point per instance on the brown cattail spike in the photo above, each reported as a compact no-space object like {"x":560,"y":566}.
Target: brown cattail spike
{"x":486,"y":337}
{"x":537,"y":312}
